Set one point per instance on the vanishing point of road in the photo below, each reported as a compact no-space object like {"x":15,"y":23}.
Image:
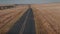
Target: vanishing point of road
{"x":25,"y":24}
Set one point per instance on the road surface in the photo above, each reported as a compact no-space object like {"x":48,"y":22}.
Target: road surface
{"x":25,"y":25}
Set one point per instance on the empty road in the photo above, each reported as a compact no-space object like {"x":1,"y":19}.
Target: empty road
{"x":25,"y":25}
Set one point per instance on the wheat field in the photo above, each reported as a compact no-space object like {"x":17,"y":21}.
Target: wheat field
{"x":47,"y":18}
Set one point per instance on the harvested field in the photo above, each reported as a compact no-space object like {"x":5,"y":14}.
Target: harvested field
{"x":9,"y":16}
{"x":47,"y":18}
{"x":34,"y":19}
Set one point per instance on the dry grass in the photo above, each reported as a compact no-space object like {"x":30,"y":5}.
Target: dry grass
{"x":47,"y":18}
{"x":9,"y":16}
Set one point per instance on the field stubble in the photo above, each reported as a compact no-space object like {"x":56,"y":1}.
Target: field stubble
{"x":47,"y":19}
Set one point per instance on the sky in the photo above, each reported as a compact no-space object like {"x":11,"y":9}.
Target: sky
{"x":27,"y":1}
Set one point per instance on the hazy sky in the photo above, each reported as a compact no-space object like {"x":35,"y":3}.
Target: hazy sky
{"x":26,"y":1}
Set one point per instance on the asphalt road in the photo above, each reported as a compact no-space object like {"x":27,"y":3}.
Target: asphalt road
{"x":25,"y":25}
{"x":30,"y":26}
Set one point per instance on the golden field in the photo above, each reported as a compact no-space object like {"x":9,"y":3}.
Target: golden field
{"x":9,"y":16}
{"x":47,"y":18}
